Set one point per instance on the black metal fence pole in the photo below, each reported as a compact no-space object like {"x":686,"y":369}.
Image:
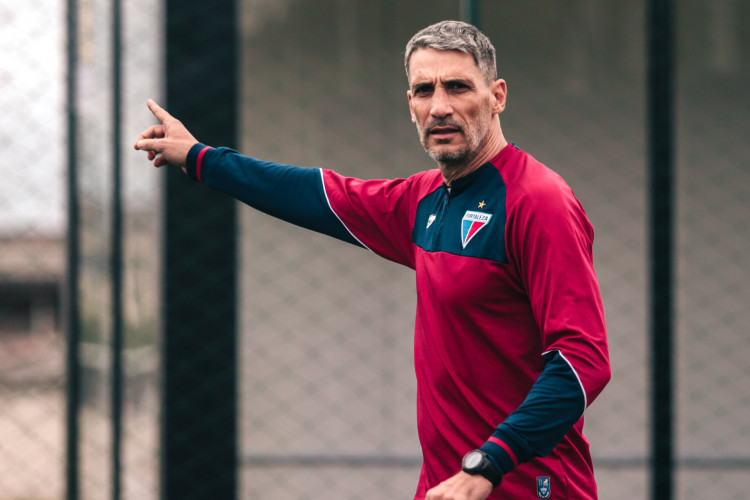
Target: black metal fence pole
{"x":72,"y":311}
{"x":116,"y":263}
{"x":470,"y":11}
{"x":199,"y":367}
{"x":661,"y":177}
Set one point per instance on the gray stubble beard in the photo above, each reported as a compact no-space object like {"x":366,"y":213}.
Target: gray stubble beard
{"x":465,"y":154}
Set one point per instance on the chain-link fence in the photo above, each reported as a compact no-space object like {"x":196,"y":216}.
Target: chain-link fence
{"x":326,"y":391}
{"x":31,"y":250}
{"x":713,"y":186}
{"x":139,"y":61}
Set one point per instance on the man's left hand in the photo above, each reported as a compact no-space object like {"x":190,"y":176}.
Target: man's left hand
{"x":462,"y":486}
{"x":168,"y":142}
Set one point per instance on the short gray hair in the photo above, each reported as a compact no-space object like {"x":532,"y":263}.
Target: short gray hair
{"x":460,"y":36}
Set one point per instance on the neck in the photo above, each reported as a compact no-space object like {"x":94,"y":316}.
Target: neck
{"x":452,"y":171}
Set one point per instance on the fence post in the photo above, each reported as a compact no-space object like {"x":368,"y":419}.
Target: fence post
{"x":660,"y":165}
{"x":199,"y":429}
{"x":470,"y":12}
{"x":71,"y":307}
{"x":116,"y":257}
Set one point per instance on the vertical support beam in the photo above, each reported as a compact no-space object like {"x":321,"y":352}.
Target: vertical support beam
{"x":661,"y":177}
{"x":199,"y":369}
{"x":470,"y":12}
{"x":116,"y":263}
{"x":71,"y":292}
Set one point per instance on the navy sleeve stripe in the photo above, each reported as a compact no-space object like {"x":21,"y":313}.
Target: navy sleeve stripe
{"x":328,"y":200}
{"x":583,"y":389}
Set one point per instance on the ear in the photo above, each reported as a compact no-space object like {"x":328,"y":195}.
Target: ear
{"x":411,"y":107}
{"x":499,"y":91}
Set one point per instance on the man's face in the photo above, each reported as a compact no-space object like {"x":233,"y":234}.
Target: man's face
{"x":450,"y":103}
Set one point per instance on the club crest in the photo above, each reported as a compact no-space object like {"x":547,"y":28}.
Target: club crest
{"x":543,"y":489}
{"x":471,"y":224}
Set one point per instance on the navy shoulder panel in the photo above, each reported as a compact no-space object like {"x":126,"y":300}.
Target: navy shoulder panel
{"x":468,"y":219}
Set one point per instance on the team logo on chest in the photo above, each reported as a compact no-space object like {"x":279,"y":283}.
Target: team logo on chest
{"x":471,"y":224}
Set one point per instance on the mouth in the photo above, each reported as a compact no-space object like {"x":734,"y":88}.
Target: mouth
{"x":443,"y":132}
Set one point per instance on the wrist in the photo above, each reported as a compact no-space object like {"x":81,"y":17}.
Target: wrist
{"x":479,"y":463}
{"x":194,"y":161}
{"x":501,"y":454}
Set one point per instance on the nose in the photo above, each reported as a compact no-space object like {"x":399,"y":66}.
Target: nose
{"x":440,"y":105}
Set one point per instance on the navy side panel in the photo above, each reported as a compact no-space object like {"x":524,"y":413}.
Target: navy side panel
{"x":467,"y":220}
{"x":293,"y":194}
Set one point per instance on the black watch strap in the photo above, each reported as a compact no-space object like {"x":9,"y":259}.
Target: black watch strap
{"x":477,"y":463}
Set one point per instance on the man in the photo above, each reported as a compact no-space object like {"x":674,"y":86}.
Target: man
{"x":510,"y":340}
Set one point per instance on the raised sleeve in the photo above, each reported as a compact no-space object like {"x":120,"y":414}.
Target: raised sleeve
{"x":290,"y":193}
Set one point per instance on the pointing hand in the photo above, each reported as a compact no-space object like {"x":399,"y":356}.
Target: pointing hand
{"x":168,"y":142}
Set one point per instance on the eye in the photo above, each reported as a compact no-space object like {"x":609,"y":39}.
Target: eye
{"x":457,"y":86}
{"x":422,"y":89}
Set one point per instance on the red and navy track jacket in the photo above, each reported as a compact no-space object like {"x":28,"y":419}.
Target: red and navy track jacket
{"x":510,"y":342}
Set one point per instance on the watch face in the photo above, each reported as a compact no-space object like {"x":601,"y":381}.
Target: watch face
{"x":473,"y":459}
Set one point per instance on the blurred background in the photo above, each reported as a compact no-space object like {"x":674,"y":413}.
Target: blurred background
{"x":181,"y":340}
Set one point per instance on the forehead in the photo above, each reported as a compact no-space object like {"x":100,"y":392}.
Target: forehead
{"x":436,"y":65}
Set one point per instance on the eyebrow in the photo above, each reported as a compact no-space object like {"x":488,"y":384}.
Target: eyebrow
{"x":448,"y":81}
{"x":466,"y":81}
{"x":417,"y":85}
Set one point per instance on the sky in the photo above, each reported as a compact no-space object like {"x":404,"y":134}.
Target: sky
{"x":32,"y":142}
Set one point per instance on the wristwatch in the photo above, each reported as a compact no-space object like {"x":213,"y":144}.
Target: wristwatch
{"x":476,"y":463}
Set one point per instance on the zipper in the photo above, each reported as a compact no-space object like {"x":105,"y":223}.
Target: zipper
{"x":447,"y":200}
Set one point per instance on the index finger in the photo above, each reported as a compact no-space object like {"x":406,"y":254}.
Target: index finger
{"x":153,"y":132}
{"x":159,"y":112}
